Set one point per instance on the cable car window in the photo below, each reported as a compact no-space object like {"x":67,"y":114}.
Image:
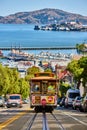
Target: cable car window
{"x":35,"y":87}
{"x":51,"y":87}
{"x":44,"y":86}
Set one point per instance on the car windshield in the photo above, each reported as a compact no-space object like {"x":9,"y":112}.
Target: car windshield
{"x":14,"y":97}
{"x":73,"y":95}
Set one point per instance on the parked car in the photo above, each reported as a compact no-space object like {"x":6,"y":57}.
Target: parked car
{"x":14,"y":100}
{"x":83,"y":106}
{"x":71,"y":94}
{"x":77,"y":102}
{"x":59,"y":100}
{"x":2,"y":101}
{"x":62,"y":102}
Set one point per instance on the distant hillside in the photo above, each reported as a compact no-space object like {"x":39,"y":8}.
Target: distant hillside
{"x":44,"y":16}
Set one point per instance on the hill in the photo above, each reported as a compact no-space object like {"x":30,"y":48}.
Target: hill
{"x":43,"y":16}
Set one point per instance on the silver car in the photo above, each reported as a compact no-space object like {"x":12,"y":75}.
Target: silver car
{"x":2,"y":101}
{"x":77,"y":102}
{"x":83,"y":106}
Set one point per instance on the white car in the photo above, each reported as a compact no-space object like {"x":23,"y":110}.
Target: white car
{"x":14,"y":100}
{"x":70,"y":96}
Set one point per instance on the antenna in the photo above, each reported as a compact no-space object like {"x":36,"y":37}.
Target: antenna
{"x":11,"y":46}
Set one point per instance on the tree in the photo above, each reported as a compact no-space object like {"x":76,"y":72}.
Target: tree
{"x":79,"y":70}
{"x":33,"y":70}
{"x":63,"y":88}
{"x":4,"y":80}
{"x":83,"y":64}
{"x":11,"y":83}
{"x":76,"y":70}
{"x":24,"y":88}
{"x":80,"y":48}
{"x":13,"y":78}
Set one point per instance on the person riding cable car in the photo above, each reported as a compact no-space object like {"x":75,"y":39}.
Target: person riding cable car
{"x":51,"y":88}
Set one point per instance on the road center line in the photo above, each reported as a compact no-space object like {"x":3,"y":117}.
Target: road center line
{"x":7,"y":122}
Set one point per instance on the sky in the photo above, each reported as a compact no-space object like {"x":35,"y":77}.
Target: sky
{"x":8,"y":7}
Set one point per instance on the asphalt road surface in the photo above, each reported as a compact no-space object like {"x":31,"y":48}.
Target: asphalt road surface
{"x":26,"y":119}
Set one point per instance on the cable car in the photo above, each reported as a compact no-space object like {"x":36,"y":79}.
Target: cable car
{"x":43,"y":91}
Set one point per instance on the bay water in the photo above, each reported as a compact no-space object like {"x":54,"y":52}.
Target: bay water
{"x":25,"y":36}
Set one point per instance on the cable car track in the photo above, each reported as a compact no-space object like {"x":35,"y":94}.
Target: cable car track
{"x":29,"y":123}
{"x":58,"y":122}
{"x":45,"y":122}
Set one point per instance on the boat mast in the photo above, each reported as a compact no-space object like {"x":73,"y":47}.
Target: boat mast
{"x":19,"y":48}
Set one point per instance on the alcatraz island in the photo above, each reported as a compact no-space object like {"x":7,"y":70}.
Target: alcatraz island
{"x":65,"y":26}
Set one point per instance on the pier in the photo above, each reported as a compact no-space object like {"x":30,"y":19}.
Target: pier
{"x":39,"y":48}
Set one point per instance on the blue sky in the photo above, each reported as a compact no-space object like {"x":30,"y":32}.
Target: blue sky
{"x":13,"y":6}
